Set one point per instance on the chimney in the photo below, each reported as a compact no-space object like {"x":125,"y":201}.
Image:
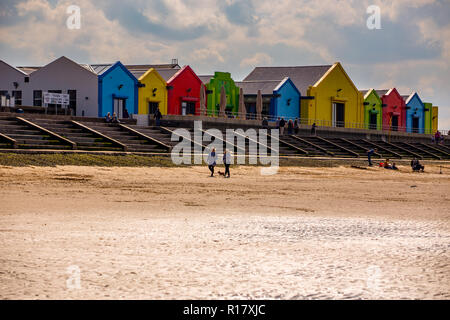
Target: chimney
{"x":174,"y":61}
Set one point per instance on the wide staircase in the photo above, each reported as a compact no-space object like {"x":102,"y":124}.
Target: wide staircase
{"x":133,"y":139}
{"x":84,"y":139}
{"x":95,"y":135}
{"x":27,"y":136}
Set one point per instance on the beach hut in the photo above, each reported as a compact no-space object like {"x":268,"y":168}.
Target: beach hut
{"x":183,"y":91}
{"x":214,"y":85}
{"x":373,"y":111}
{"x":13,"y":83}
{"x":435,"y":113}
{"x":64,"y":75}
{"x":152,"y":90}
{"x":428,"y":117}
{"x":331,"y":98}
{"x":415,"y":120}
{"x":393,"y":110}
{"x":280,"y":98}
{"x":117,"y":90}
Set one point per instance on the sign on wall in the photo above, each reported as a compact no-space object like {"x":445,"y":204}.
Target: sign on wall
{"x":56,"y":98}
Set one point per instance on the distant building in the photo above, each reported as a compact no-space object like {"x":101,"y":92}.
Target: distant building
{"x":415,"y":118}
{"x":214,"y":86}
{"x":183,"y":91}
{"x":13,"y":83}
{"x":281,"y":98}
{"x":394,"y":110}
{"x":330,"y":97}
{"x":117,"y":90}
{"x":373,"y":111}
{"x":428,"y":117}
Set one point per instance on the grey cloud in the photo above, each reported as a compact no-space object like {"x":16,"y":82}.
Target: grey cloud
{"x":132,"y":19}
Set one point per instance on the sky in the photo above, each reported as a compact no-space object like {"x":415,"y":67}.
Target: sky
{"x":411,"y":50}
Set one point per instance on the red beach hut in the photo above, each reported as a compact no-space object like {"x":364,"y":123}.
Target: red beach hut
{"x":394,"y":110}
{"x":184,"y":92}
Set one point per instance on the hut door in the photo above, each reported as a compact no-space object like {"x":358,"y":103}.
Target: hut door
{"x":183,"y":108}
{"x":415,"y":124}
{"x":191,"y":108}
{"x":338,"y":114}
{"x":373,"y":121}
{"x":119,"y":105}
{"x":152,"y":107}
{"x":394,"y":124}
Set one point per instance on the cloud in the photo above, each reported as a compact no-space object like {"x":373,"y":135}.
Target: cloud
{"x":257,"y":60}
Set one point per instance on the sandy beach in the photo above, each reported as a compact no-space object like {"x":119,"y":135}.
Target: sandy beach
{"x":175,"y":233}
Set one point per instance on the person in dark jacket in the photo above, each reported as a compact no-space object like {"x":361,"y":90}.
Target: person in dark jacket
{"x":212,"y":158}
{"x":227,"y":163}
{"x":265,"y":123}
{"x":157,"y":117}
{"x":282,"y":125}
{"x":296,"y":126}
{"x":290,"y":127}
{"x":313,"y":129}
{"x":370,"y":153}
{"x":416,"y":166}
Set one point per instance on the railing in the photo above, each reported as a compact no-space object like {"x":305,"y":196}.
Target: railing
{"x":318,"y":122}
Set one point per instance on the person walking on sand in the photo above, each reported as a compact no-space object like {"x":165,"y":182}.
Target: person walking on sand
{"x":370,"y":153}
{"x":227,"y":163}
{"x":212,"y":158}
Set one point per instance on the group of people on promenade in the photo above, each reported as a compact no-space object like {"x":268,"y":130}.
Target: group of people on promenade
{"x":416,"y":166}
{"x":293,"y":126}
{"x":113,"y":119}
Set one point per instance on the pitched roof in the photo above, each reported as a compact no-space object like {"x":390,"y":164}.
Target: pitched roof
{"x":14,"y":68}
{"x":154,"y":66}
{"x":28,"y":70}
{"x":301,"y":76}
{"x":100,"y":68}
{"x":382,"y":92}
{"x":167,"y":74}
{"x":206,"y":78}
{"x":267,"y":87}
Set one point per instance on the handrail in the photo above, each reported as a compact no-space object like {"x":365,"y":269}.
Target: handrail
{"x":12,"y":141}
{"x":435,"y":149}
{"x":167,"y":130}
{"x":290,"y":145}
{"x":51,"y":133}
{"x":215,"y":137}
{"x":404,"y":149}
{"x":97,"y":133}
{"x":257,"y":142}
{"x":313,"y":145}
{"x":421,"y":150}
{"x":142,"y":135}
{"x":382,"y":148}
{"x":338,"y":146}
{"x":359,"y":146}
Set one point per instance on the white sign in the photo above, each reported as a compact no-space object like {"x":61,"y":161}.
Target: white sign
{"x":56,"y":98}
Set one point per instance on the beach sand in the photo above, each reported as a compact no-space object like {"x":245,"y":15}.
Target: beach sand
{"x":175,"y":233}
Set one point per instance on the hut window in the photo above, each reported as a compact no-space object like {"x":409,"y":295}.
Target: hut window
{"x":72,"y":100}
{"x":37,"y":98}
{"x":17,"y":97}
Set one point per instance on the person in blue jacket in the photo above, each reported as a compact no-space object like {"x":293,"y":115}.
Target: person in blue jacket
{"x":212,"y":158}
